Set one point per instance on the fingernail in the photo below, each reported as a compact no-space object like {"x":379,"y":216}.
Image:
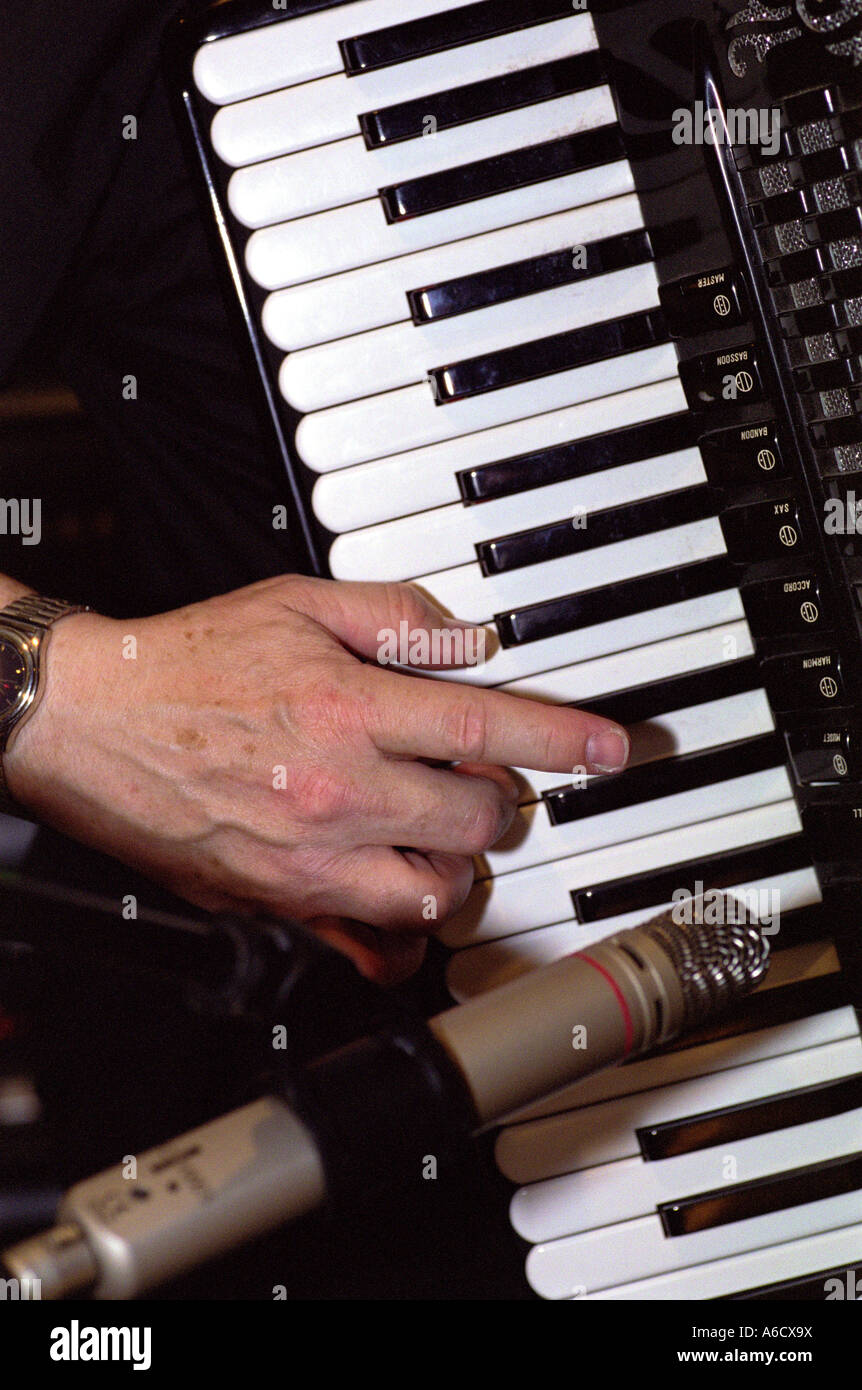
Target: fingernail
{"x":608,"y":751}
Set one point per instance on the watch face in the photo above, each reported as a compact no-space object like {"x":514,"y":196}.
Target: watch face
{"x":13,"y":674}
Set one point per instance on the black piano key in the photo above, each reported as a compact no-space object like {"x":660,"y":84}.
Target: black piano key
{"x":579,"y":347}
{"x":816,"y":318}
{"x":398,"y":43}
{"x":513,"y":281}
{"x":809,"y":1288}
{"x":832,"y":325}
{"x":577,"y":458}
{"x":802,"y":925}
{"x":818,"y":201}
{"x":850,"y":124}
{"x":848,"y":339}
{"x":837,"y":225}
{"x":664,"y":777}
{"x":769,"y":1008}
{"x":831,"y":163}
{"x":828,"y":376}
{"x":783,"y":207}
{"x":601,"y":605}
{"x":813,"y":1183}
{"x":829,"y":434}
{"x":816,"y":105}
{"x":486,"y":177}
{"x":755,"y":154}
{"x":842,"y":283}
{"x":638,"y":891}
{"x":643,"y":702}
{"x":790,"y":266}
{"x":600,"y":528}
{"x":735,"y":1122}
{"x":475,"y":100}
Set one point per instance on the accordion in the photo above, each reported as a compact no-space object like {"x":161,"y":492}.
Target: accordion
{"x":556,"y":312}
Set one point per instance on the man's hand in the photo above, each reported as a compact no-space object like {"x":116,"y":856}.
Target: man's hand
{"x":238,"y":752}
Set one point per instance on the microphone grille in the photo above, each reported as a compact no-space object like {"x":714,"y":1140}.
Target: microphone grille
{"x":717,"y":962}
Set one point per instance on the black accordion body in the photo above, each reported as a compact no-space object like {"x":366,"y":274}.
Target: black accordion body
{"x":557,"y":313}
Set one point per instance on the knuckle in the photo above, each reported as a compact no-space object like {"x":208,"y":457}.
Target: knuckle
{"x":549,"y":744}
{"x":483,"y":825}
{"x":328,"y":712}
{"x":320,"y":795}
{"x":466,"y":731}
{"x":451,"y":893}
{"x":405,"y":603}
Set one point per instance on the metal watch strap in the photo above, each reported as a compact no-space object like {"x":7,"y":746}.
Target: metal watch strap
{"x":41,"y":612}
{"x":34,"y":611}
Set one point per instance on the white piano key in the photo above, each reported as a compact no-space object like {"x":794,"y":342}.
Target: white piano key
{"x":479,"y":968}
{"x":414,"y":481}
{"x":583,"y":681}
{"x":680,"y":731}
{"x":478,"y":597}
{"x":386,"y":358}
{"x":630,"y":1188}
{"x":410,"y":418}
{"x":374,"y":295}
{"x":541,"y":895}
{"x":446,"y":536}
{"x":314,"y":113}
{"x":755,"y":1269}
{"x":606,"y":1133}
{"x":532,"y":839}
{"x":296,"y":50}
{"x":639,"y":1249}
{"x":328,"y":176}
{"x":344,"y":238}
{"x":698,"y":727}
{"x":506,"y":665}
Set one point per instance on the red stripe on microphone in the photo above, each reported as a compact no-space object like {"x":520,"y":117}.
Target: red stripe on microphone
{"x":620,"y":998}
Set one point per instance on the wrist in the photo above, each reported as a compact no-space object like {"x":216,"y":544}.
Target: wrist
{"x":38,"y":747}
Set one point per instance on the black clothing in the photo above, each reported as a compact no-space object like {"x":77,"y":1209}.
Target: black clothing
{"x":107,"y":269}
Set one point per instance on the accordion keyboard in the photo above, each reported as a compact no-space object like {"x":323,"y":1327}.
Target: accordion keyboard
{"x":484,"y":336}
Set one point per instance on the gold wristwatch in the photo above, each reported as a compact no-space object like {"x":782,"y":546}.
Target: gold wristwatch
{"x":25,"y":626}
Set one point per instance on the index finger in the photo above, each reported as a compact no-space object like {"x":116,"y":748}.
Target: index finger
{"x":457,"y":723}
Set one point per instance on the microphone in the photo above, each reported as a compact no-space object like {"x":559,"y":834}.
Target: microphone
{"x":364,"y":1115}
{"x":627,"y":993}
